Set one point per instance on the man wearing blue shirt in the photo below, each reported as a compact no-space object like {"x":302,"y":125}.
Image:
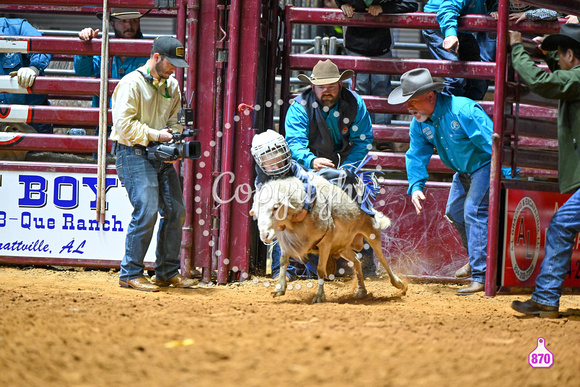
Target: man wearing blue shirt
{"x":461,"y":132}
{"x":25,"y":66}
{"x":126,"y":23}
{"x":448,"y":43}
{"x":328,"y":125}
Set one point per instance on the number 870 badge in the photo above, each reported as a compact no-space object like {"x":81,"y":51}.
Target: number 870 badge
{"x":541,"y":357}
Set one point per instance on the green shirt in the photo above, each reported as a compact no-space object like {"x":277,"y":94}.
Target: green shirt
{"x":563,"y":85}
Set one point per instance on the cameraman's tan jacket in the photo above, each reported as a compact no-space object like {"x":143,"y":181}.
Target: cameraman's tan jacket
{"x":141,"y":109}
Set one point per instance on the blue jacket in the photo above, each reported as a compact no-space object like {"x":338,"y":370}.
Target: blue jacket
{"x":448,"y":11}
{"x":90,"y":66}
{"x":297,"y":129}
{"x":12,"y":62}
{"x":459,"y":129}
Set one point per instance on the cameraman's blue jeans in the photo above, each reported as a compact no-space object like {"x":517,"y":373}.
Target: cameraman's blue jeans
{"x":468,"y":207}
{"x":472,"y":47}
{"x":564,"y":227}
{"x":152,"y":186}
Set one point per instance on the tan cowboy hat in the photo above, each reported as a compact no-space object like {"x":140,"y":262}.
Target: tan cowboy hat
{"x":568,"y":37}
{"x":413,"y":84}
{"x":124,"y":14}
{"x":325,"y":73}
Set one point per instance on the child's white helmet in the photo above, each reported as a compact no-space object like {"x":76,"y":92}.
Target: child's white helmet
{"x":271,"y":152}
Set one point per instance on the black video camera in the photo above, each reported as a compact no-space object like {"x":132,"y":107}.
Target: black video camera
{"x":176,"y":148}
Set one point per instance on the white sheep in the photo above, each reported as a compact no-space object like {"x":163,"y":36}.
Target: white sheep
{"x":334,"y":227}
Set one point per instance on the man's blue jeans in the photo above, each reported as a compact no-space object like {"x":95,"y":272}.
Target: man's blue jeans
{"x":468,"y":206}
{"x":564,"y":226}
{"x":472,"y":47}
{"x":374,"y":84}
{"x":152,"y":186}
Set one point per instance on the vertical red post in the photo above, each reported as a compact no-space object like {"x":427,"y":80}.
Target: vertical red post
{"x":220,"y":66}
{"x":273,"y":62}
{"x":495,"y":174}
{"x":183,"y":13}
{"x":180,"y":33}
{"x":240,"y":235}
{"x":228,"y":140}
{"x":286,"y":51}
{"x":204,"y":100}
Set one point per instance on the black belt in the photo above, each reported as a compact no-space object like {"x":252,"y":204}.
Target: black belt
{"x":138,"y":149}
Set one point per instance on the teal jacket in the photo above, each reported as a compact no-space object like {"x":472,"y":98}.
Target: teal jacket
{"x":90,"y":66}
{"x":448,"y":11}
{"x":360,"y":132}
{"x":563,"y":85}
{"x":461,"y":132}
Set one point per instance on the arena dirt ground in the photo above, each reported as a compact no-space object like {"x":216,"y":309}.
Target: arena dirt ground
{"x":79,"y":328}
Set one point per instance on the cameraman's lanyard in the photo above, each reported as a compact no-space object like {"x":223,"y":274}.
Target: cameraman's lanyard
{"x":155,"y":82}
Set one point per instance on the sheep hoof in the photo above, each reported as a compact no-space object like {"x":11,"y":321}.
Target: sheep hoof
{"x":396,"y":282}
{"x":400,"y":285}
{"x":279,"y":293}
{"x":360,"y":294}
{"x":319,"y":299}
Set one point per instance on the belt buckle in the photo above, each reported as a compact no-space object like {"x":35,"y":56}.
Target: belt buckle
{"x":139,"y":152}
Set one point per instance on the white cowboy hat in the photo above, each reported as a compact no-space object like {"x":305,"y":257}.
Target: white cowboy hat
{"x":325,"y":73}
{"x":124,"y":14}
{"x":413,"y":84}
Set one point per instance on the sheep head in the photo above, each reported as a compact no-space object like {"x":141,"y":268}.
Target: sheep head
{"x":275,"y":204}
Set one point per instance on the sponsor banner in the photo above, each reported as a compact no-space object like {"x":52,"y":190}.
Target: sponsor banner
{"x":528,"y":215}
{"x":52,"y":215}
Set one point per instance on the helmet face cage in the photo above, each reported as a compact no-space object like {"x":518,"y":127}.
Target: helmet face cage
{"x":273,"y":157}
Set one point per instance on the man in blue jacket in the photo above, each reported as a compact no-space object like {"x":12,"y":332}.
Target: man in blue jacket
{"x":448,"y":43}
{"x":328,"y":125}
{"x":461,"y":132}
{"x":25,"y":66}
{"x":126,"y":23}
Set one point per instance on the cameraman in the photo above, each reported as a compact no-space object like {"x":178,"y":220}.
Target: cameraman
{"x":145,"y":105}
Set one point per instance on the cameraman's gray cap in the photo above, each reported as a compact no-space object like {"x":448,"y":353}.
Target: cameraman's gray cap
{"x":172,"y":49}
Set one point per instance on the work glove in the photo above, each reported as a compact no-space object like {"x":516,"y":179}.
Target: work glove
{"x":26,"y":75}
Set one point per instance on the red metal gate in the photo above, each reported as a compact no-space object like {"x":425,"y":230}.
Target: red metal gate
{"x":233,"y":52}
{"x":222,"y":74}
